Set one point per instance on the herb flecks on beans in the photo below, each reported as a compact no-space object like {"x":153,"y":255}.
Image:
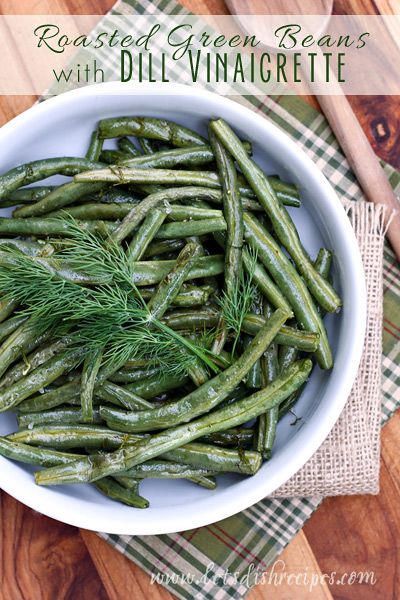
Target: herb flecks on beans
{"x":159,"y":314}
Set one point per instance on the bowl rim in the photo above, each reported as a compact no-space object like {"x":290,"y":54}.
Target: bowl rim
{"x":228,"y":504}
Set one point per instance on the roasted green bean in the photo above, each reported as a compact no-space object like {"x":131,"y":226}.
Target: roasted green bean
{"x":190,"y":228}
{"x":148,"y":448}
{"x":9,"y":326}
{"x":23,"y":340}
{"x":148,"y":146}
{"x":268,"y":421}
{"x":226,"y":460}
{"x":69,"y":393}
{"x":151,"y":272}
{"x":31,"y":361}
{"x":123,"y":175}
{"x":66,"y":436}
{"x":26,"y":195}
{"x":167,"y":159}
{"x":300,"y":339}
{"x":280,"y":218}
{"x":138,"y":213}
{"x":41,"y":169}
{"x":158,"y":248}
{"x":46,"y":227}
{"x":292,"y":285}
{"x":206,"y":397}
{"x":154,"y":385}
{"x":90,"y":370}
{"x":115,"y":491}
{"x":7,"y":307}
{"x":113,"y":157}
{"x":233,"y":214}
{"x":163,"y":469}
{"x":240,"y":437}
{"x":31,"y":455}
{"x":170,"y":285}
{"x":189,"y":295}
{"x":123,"y":396}
{"x":64,"y":195}
{"x":39,"y":378}
{"x":323,"y":262}
{"x":145,"y":234}
{"x":95,"y":146}
{"x":149,"y":127}
{"x":65,"y":415}
{"x":125,"y":145}
{"x":127,"y":375}
{"x":27,"y":247}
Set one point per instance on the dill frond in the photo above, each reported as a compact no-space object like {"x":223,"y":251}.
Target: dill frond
{"x":96,"y":256}
{"x":42,"y":295}
{"x":111,"y":316}
{"x":235,"y":306}
{"x":206,"y":338}
{"x":130,"y":343}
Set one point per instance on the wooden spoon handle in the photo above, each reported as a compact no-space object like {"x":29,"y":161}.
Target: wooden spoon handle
{"x":363,"y":161}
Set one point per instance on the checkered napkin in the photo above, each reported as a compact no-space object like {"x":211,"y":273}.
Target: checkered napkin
{"x":222,"y":560}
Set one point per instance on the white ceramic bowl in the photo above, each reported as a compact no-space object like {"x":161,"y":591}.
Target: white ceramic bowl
{"x":62,"y":126}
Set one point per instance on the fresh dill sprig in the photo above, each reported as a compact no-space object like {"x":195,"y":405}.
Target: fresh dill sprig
{"x":206,"y":337}
{"x":96,"y":256}
{"x":112,"y":317}
{"x":43,"y":296}
{"x":135,"y":342}
{"x":235,"y":306}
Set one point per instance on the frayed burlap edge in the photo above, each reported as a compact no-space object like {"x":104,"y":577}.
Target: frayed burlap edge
{"x":348,"y":461}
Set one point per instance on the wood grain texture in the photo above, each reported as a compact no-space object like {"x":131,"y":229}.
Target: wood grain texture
{"x":297,"y":558}
{"x":363,"y":161}
{"x":362,"y":533}
{"x":55,"y":7}
{"x":378,"y":116}
{"x":206,"y":7}
{"x":14,"y":105}
{"x":280,"y":7}
{"x":42,"y":559}
{"x":348,"y":130}
{"x":120,"y":576}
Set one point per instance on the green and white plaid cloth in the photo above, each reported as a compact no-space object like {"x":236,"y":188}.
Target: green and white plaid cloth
{"x":223,"y":560}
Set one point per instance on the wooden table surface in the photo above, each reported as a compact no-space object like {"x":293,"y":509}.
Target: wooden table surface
{"x":42,"y":559}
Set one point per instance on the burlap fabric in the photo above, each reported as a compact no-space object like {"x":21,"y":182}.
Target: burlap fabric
{"x":348,"y":460}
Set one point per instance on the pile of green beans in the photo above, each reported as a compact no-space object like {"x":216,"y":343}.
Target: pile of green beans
{"x":202,"y":227}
